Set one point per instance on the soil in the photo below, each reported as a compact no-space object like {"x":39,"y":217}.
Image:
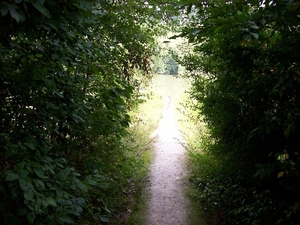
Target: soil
{"x":168,"y":203}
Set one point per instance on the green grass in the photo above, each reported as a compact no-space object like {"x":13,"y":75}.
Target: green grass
{"x":139,"y":210}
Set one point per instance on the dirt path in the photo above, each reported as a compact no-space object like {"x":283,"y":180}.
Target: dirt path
{"x":168,"y":204}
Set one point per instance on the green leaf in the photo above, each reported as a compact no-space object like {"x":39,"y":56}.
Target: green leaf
{"x":56,"y":131}
{"x":11,"y":176}
{"x":71,"y":35}
{"x":39,"y":184}
{"x":263,"y":21}
{"x":66,"y":219}
{"x":80,"y":201}
{"x":20,"y":166}
{"x":4,"y":8}
{"x":40,"y":173}
{"x":219,"y":28}
{"x":14,"y":14}
{"x":45,"y":203}
{"x":62,"y":175}
{"x":31,"y":217}
{"x":253,"y":25}
{"x":30,"y":145}
{"x":82,"y":186}
{"x":77,"y":210}
{"x":41,"y":8}
{"x":104,"y":219}
{"x":59,"y":193}
{"x":255,"y":35}
{"x":80,"y":46}
{"x":39,"y":55}
{"x":25,"y":185}
{"x":77,"y":118}
{"x":59,"y":94}
{"x":28,"y":195}
{"x":90,"y":181}
{"x":24,"y":173}
{"x":38,"y":204}
{"x":195,"y":31}
{"x":104,"y":185}
{"x":51,"y":201}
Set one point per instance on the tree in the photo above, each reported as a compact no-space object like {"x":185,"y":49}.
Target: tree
{"x":249,"y":96}
{"x":69,"y":72}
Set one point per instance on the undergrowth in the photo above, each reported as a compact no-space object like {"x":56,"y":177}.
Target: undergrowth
{"x":194,"y":132}
{"x":216,"y":187}
{"x":203,"y":168}
{"x":144,"y":121}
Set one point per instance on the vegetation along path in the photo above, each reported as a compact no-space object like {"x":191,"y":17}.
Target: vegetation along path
{"x":168,"y":203}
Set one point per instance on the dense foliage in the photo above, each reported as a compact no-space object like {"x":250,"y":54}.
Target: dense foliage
{"x":245,"y":69}
{"x":69,"y":74}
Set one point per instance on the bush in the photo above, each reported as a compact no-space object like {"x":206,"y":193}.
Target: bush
{"x":68,"y":78}
{"x":248,"y":98}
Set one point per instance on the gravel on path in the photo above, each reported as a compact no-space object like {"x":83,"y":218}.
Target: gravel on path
{"x":168,"y":204}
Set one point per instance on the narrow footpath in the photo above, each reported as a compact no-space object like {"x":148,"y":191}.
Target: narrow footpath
{"x":168,"y":204}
